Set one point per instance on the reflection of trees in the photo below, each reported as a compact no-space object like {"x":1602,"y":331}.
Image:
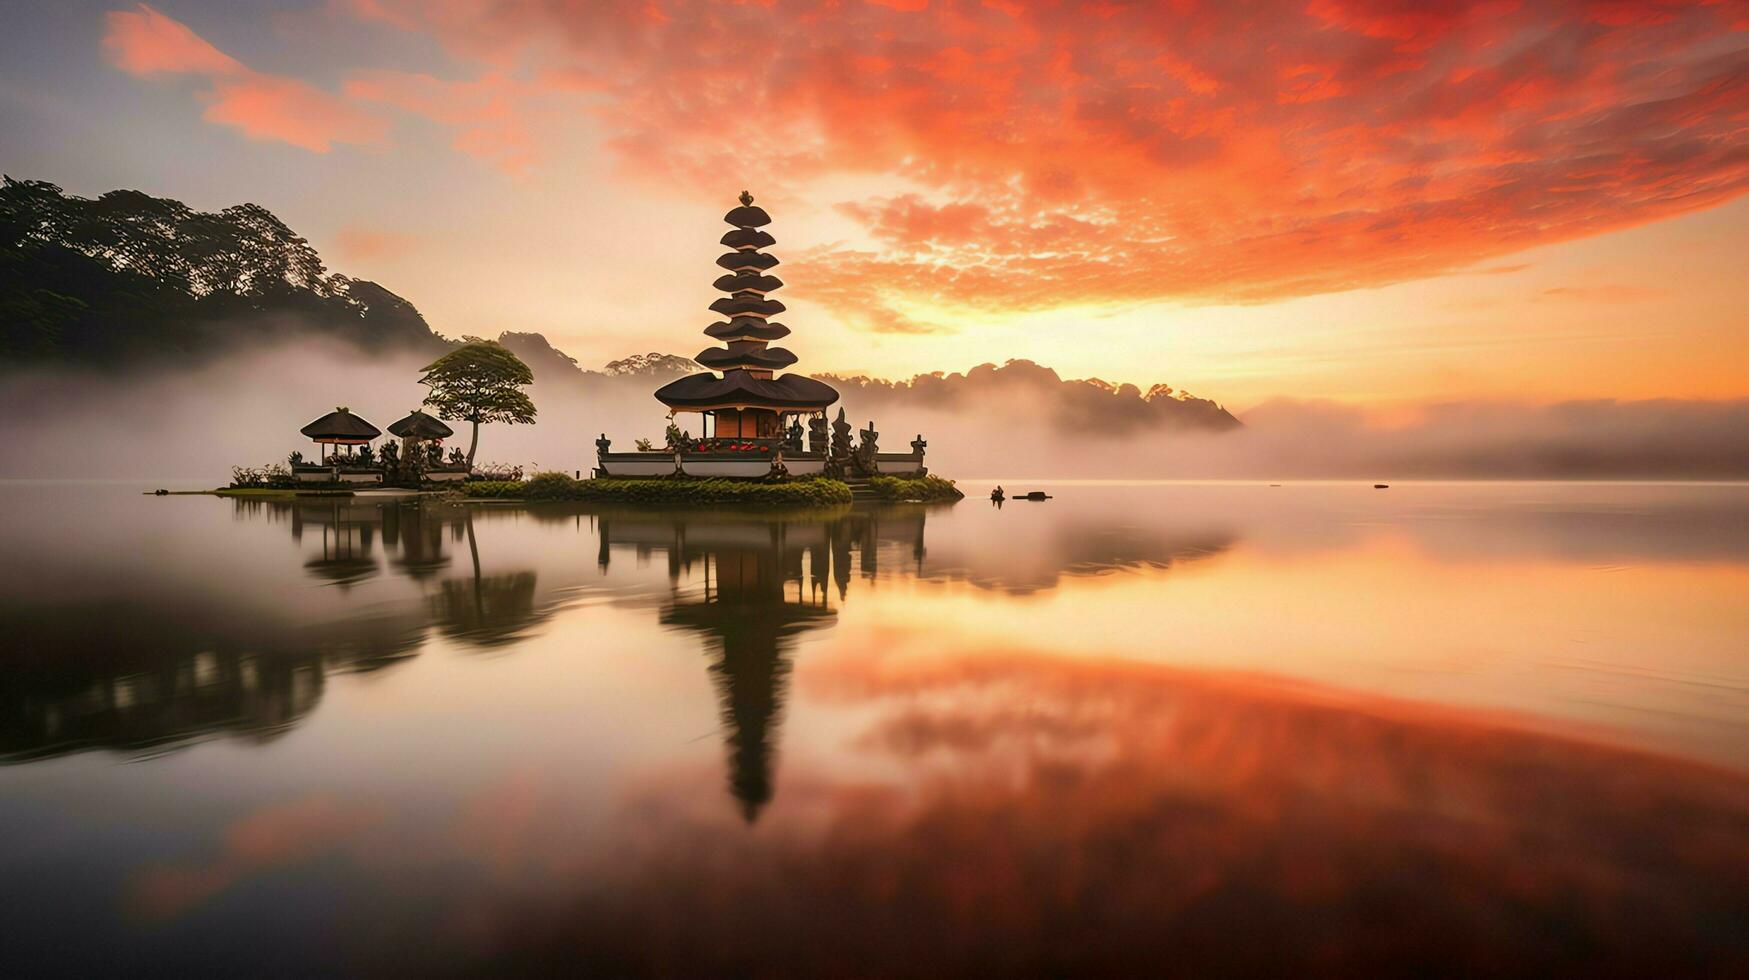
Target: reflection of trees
{"x":154,"y":669}
{"x":168,"y":702}
{"x":1034,"y":557}
{"x":486,"y":610}
{"x":144,"y":675}
{"x":764,"y":582}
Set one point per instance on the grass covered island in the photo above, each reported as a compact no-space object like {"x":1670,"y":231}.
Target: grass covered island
{"x":671,"y":490}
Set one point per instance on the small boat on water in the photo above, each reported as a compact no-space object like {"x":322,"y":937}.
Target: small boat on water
{"x":1381,"y":486}
{"x":1034,"y":495}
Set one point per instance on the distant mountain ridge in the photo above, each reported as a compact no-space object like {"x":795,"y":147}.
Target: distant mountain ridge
{"x":129,"y":279}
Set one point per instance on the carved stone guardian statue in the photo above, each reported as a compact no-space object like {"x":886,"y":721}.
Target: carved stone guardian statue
{"x":867,"y":458}
{"x":817,"y":439}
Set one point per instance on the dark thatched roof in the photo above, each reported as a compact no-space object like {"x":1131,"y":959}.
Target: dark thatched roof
{"x":418,"y":425}
{"x":791,"y":392}
{"x":738,"y":305}
{"x":748,"y":216}
{"x":341,"y":425}
{"x":734,"y":261}
{"x":747,"y":238}
{"x":736,"y":282}
{"x":746,"y":354}
{"x":746,"y":326}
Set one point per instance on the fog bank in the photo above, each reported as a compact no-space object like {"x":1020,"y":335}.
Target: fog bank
{"x":193,"y":424}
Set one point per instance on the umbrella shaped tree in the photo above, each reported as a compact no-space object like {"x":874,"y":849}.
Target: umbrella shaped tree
{"x":479,"y":382}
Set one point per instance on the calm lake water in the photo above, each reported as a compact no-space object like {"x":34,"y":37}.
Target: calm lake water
{"x":1179,"y":729}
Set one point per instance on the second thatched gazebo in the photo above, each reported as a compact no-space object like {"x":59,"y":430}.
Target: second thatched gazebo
{"x":418,"y":425}
{"x":416,"y":430}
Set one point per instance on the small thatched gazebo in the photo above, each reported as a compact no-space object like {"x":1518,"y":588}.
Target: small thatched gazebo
{"x":418,"y":425}
{"x":340,"y":428}
{"x":419,"y":429}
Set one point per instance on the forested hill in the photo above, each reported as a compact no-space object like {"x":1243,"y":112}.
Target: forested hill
{"x":129,"y":277}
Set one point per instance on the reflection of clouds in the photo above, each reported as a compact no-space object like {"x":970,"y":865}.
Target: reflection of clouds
{"x":276,"y":836}
{"x":1108,"y":817}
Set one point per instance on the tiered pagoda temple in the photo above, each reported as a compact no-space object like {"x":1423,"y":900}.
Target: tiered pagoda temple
{"x":749,"y":399}
{"x":751,"y":416}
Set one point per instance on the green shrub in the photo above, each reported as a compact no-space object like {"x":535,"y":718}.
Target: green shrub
{"x":918,"y":488}
{"x":550,"y":485}
{"x":507,"y":489}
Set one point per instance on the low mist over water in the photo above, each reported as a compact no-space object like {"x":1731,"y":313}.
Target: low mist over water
{"x":196,"y":422}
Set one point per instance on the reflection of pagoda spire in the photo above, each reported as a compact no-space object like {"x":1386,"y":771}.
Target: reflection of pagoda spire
{"x":764,"y":582}
{"x":751,"y":612}
{"x":750,"y":683}
{"x":753,"y":619}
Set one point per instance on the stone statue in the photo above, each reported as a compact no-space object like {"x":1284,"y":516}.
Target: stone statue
{"x":601,"y":445}
{"x":839,"y":461}
{"x":840,"y":437}
{"x":918,"y":445}
{"x":867,"y":460}
{"x":817,"y":440}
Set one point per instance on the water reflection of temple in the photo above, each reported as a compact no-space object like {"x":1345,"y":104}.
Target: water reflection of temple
{"x":751,"y":586}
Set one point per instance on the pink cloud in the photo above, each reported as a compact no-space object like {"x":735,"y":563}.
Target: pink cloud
{"x":489,"y":115}
{"x":270,"y":107}
{"x":145,"y":42}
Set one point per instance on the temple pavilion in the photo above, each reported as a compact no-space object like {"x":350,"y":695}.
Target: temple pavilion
{"x":751,"y":417}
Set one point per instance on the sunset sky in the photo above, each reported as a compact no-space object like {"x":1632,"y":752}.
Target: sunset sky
{"x":1377,"y":202}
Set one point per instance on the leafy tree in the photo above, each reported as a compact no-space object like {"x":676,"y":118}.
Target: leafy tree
{"x":480,"y":381}
{"x":128,"y":276}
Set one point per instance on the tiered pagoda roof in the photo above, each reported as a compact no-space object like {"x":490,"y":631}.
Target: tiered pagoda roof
{"x":747,"y":362}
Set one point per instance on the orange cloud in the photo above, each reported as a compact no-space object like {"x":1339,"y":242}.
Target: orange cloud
{"x":145,"y":42}
{"x":1094,"y":153}
{"x":362,"y":243}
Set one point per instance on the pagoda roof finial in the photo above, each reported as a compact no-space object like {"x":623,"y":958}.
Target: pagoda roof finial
{"x":746,"y":199}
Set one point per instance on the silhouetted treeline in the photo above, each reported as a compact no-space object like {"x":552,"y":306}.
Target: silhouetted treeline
{"x":129,"y":276}
{"x":551,"y":364}
{"x":1032,"y":391}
